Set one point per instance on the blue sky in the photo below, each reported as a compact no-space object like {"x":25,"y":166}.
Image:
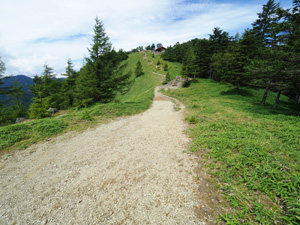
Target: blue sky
{"x":36,"y":32}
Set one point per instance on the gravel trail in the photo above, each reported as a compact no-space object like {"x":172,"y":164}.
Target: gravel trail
{"x":133,"y":170}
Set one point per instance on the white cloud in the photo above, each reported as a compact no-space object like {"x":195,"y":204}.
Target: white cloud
{"x":36,"y":32}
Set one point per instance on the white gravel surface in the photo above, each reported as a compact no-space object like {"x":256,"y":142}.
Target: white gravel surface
{"x":131,"y":171}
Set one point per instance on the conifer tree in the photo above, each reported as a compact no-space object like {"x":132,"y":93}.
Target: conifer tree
{"x":3,"y":90}
{"x":101,"y":78}
{"x":68,"y":86}
{"x":138,"y":69}
{"x":47,"y":91}
{"x":17,"y":93}
{"x":266,"y":24}
{"x":190,"y":67}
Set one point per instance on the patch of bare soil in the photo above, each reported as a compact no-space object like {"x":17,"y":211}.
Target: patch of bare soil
{"x":135,"y":170}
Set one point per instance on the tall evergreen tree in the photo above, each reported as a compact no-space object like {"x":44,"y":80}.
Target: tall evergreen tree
{"x":220,"y":40}
{"x":47,"y":91}
{"x":17,"y":93}
{"x":190,"y":67}
{"x":270,"y":62}
{"x":101,"y":78}
{"x":3,"y":90}
{"x":266,"y":25}
{"x":68,"y":86}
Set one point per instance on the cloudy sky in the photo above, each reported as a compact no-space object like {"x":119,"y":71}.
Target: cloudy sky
{"x":36,"y":32}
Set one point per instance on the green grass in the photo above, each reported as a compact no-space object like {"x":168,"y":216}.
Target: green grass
{"x":252,"y":151}
{"x":174,"y":68}
{"x":137,"y":99}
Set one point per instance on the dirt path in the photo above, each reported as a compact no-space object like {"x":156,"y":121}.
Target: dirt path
{"x":130,"y":171}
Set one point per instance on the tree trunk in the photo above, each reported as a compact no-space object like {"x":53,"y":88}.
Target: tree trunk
{"x":277,"y":99}
{"x":297,"y":99}
{"x":265,"y":96}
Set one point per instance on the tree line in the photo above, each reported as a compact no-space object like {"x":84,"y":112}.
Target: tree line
{"x":99,"y":80}
{"x":265,"y":56}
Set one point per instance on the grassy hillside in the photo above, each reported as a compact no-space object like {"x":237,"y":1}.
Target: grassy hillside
{"x":138,"y":99}
{"x":252,"y":151}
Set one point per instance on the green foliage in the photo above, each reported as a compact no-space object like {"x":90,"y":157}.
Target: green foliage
{"x":142,"y":90}
{"x":86,"y":115}
{"x":192,"y":119}
{"x":166,"y":67}
{"x":138,"y":69}
{"x":38,"y":109}
{"x":2,"y":68}
{"x":12,"y":134}
{"x":68,"y":86}
{"x":103,"y":77}
{"x":252,"y":150}
{"x":17,"y":93}
{"x":190,"y":67}
{"x":3,"y":90}
{"x":186,"y":83}
{"x":168,"y":77}
{"x":49,"y":127}
{"x":136,"y":100}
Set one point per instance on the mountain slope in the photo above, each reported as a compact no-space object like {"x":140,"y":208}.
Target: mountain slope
{"x":25,"y":82}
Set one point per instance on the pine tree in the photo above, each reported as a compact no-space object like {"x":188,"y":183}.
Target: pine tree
{"x":168,"y":77}
{"x":265,"y":26}
{"x":3,"y":90}
{"x":138,"y":69}
{"x":166,"y":67}
{"x":220,"y":40}
{"x":47,"y":91}
{"x":153,"y":47}
{"x":101,"y":78}
{"x":17,"y":93}
{"x":68,"y":86}
{"x":190,"y":67}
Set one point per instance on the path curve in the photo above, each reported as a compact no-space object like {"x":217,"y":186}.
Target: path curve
{"x":133,"y":170}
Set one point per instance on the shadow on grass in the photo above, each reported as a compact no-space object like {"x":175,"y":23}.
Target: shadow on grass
{"x":242,"y":92}
{"x":249,"y":102}
{"x":194,"y":81}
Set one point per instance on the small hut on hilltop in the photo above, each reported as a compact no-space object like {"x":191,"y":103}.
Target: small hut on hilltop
{"x":160,"y":50}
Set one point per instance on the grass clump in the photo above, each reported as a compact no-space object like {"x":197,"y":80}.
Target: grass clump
{"x":49,"y":127}
{"x":252,"y":151}
{"x":12,"y":134}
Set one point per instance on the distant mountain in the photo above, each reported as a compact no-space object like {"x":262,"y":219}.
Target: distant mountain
{"x":25,"y":82}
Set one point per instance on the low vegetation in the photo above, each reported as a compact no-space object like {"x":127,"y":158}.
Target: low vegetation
{"x":251,"y":150}
{"x":136,"y":100}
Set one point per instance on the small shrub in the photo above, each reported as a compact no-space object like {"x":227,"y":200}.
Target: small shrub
{"x":12,"y":134}
{"x":168,"y":77}
{"x":166,"y":67}
{"x":186,"y":84}
{"x":192,"y":119}
{"x":49,"y":127}
{"x":86,"y":115}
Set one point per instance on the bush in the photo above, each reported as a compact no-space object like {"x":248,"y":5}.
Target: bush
{"x":86,"y":115}
{"x":192,"y":119}
{"x":12,"y":134}
{"x":186,"y":84}
{"x":49,"y":127}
